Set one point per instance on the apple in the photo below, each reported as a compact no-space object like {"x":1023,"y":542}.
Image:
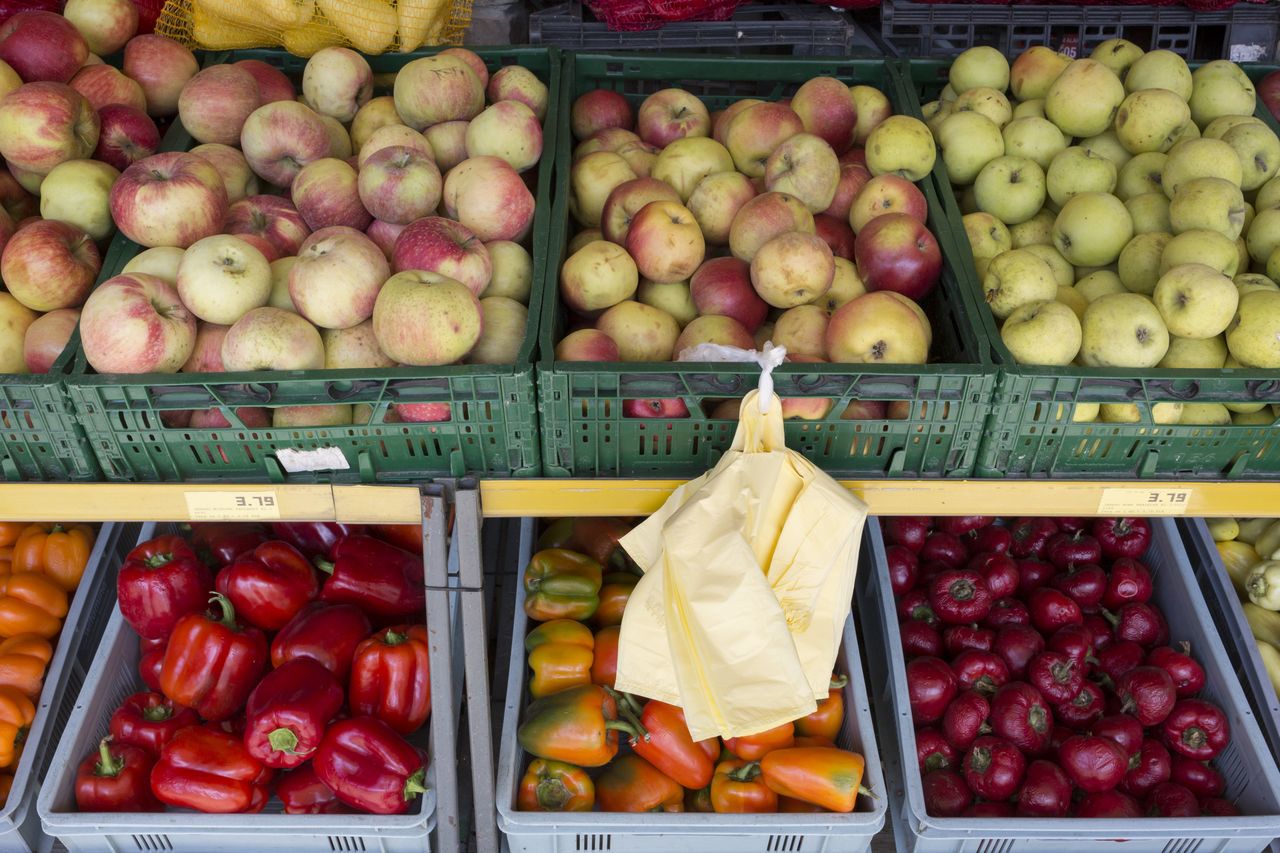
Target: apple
{"x":206,"y":354}
{"x":1064,"y":275}
{"x":1034,"y":137}
{"x":792,"y":269}
{"x":1010,"y":188}
{"x":608,"y":139}
{"x":162,"y":66}
{"x":169,"y":199}
{"x":838,"y":235}
{"x":1042,"y":333}
{"x":280,"y":298}
{"x":353,"y":347}
{"x":1123,"y":330}
{"x":44,"y":124}
{"x":897,"y":252}
{"x":519,"y":84}
{"x":586,"y":345}
{"x":1194,"y":354}
{"x":877,"y":328}
{"x":42,"y":46}
{"x":827,"y":110}
{"x":1258,"y":149}
{"x":490,"y":198}
{"x":50,"y":264}
{"x":665,"y":241}
{"x":721,"y":119}
{"x":852,"y":180}
{"x":339,"y":139}
{"x":105,"y":25}
{"x":969,"y":141}
{"x":598,"y":276}
{"x":1220,"y":88}
{"x":1015,"y":278}
{"x":9,"y":79}
{"x":336,"y":82}
{"x":901,"y":145}
{"x":1269,"y":90}
{"x":886,"y":194}
{"x":374,"y":114}
{"x":272,"y":339}
{"x":437,"y":89}
{"x":46,"y":337}
{"x":394,"y":135}
{"x":764,"y":217}
{"x":448,"y":142}
{"x":1084,"y":98}
{"x":723,"y":286}
{"x":28,"y":180}
{"x":1078,"y":170}
{"x":1196,"y":301}
{"x":250,"y":417}
{"x":16,"y":201}
{"x":508,"y":130}
{"x":398,"y":185}
{"x":79,"y":192}
{"x":1203,"y":247}
{"x":1151,"y":120}
{"x":502,"y":332}
{"x":281,"y":137}
{"x":672,"y":297}
{"x":440,"y":245}
{"x":625,"y":202}
{"x":806,"y":167}
{"x":237,"y":178}
{"x":667,"y":408}
{"x":1200,"y":158}
{"x":979,"y":67}
{"x":1254,"y":335}
{"x":473,"y":61}
{"x":685,"y":162}
{"x":1150,"y":212}
{"x":384,"y":236}
{"x":272,"y":219}
{"x":136,"y":323}
{"x":126,"y":136}
{"x":424,"y":318}
{"x":1092,"y":228}
{"x":987,"y":102}
{"x":273,"y":84}
{"x":1208,"y":203}
{"x":215,"y":103}
{"x":222,"y":277}
{"x":597,"y":110}
{"x":104,"y":84}
{"x":592,"y":180}
{"x":1035,"y":70}
{"x":161,"y":262}
{"x":1140,"y":175}
{"x":641,"y":332}
{"x":802,"y":330}
{"x":337,"y":277}
{"x":713,"y":329}
{"x":326,"y":194}
{"x":1264,"y":235}
{"x":16,"y":321}
{"x":671,"y":114}
{"x":753,"y":133}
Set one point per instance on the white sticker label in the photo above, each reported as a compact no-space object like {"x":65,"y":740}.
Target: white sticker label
{"x":320,"y":459}
{"x":1144,"y":501}
{"x":233,"y":506}
{"x":1248,"y":53}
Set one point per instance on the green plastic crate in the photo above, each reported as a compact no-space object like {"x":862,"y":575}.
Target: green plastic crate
{"x":493,"y":430}
{"x":1031,"y":433}
{"x":585,"y":433}
{"x":39,"y":437}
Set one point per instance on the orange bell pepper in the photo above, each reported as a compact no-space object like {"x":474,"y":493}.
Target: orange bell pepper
{"x":31,"y":603}
{"x":614,"y":595}
{"x":669,"y":747}
{"x":826,"y":720}
{"x":598,"y":538}
{"x":604,"y":668}
{"x":560,"y":655}
{"x":16,"y":713}
{"x":577,"y":726}
{"x":831,"y":778}
{"x":698,"y":800}
{"x":738,"y":789}
{"x":790,"y":805}
{"x":23,"y":660}
{"x":757,"y":746}
{"x":631,"y":784}
{"x":553,"y":786}
{"x":59,"y":551}
{"x":10,"y":531}
{"x":6,"y":560}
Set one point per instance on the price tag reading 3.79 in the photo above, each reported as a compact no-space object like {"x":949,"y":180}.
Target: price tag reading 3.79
{"x":258,"y":505}
{"x":1144,"y":502}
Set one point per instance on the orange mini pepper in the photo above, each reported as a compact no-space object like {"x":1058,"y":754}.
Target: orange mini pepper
{"x":669,"y":747}
{"x":577,"y":726}
{"x":553,"y":786}
{"x":738,"y":789}
{"x":827,"y":718}
{"x":31,"y":603}
{"x":604,"y":668}
{"x":23,"y":660}
{"x":831,"y":778}
{"x":60,"y":551}
{"x":560,"y":655}
{"x":757,"y":746}
{"x":16,"y":713}
{"x":631,"y":784}
{"x":615,"y":592}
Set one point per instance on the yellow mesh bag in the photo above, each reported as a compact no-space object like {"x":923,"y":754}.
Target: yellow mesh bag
{"x":305,"y":26}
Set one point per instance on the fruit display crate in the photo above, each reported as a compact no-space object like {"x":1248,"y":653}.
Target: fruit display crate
{"x":1247,"y":763}
{"x":72,"y":657}
{"x":492,"y":427}
{"x":1031,"y":432}
{"x":557,"y":832}
{"x":1244,"y":33}
{"x":585,"y":432}
{"x":40,"y":439}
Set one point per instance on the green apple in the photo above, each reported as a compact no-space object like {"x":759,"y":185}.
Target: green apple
{"x":1204,"y":247}
{"x":1262,"y":417}
{"x":935,"y":113}
{"x":1107,"y":144}
{"x":1218,"y":128}
{"x":1251,"y":281}
{"x":1123,"y":330}
{"x":1036,"y":231}
{"x":1264,"y":235}
{"x":1085,"y":413}
{"x":1258,"y":149}
{"x":1273,"y":266}
{"x":672,"y":297}
{"x":1076,"y":170}
{"x":901,"y":145}
{"x":1200,"y":158}
{"x":1242,"y":256}
{"x":1029,"y":109}
{"x":1150,"y":212}
{"x":1017,"y":277}
{"x":1221,"y":88}
{"x":1195,"y":353}
{"x":1073,"y":299}
{"x":1034,"y":71}
{"x":1098,"y":284}
{"x":1139,"y":264}
{"x":947,"y":93}
{"x":1191,"y":131}
{"x":1150,"y":120}
{"x":979,"y":66}
{"x":1204,"y":414}
{"x":987,"y":235}
{"x":1084,"y":99}
{"x":1268,"y":195}
{"x":989,"y":102}
{"x":1209,"y":203}
{"x":1118,"y":55}
{"x":1141,"y":175}
{"x":1249,"y":214}
{"x":1160,"y":69}
{"x":1012,"y":189}
{"x":1036,"y":138}
{"x":1196,"y":301}
{"x":1092,"y":228}
{"x":969,"y":141}
{"x":1129,"y":413}
{"x":1064,"y":275}
{"x":1042,"y":333}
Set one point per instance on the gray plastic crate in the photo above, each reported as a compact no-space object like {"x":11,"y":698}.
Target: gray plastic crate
{"x":1253,"y":782}
{"x":19,"y":823}
{"x":551,"y":832}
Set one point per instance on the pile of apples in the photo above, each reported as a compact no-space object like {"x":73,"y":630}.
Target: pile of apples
{"x":794,"y":221}
{"x":1123,"y":211}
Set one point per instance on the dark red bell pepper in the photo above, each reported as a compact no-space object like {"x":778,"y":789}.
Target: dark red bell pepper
{"x":382,"y":580}
{"x":149,"y":721}
{"x":315,"y":538}
{"x":219,"y":542}
{"x":391,"y":678}
{"x":115,"y":778}
{"x":269,"y":585}
{"x":326,"y":633}
{"x":288,"y":711}
{"x":150,"y":661}
{"x":406,"y":536}
{"x":370,"y":767}
{"x":210,"y":771}
{"x":160,"y":582}
{"x":302,"y":792}
{"x":211,"y":663}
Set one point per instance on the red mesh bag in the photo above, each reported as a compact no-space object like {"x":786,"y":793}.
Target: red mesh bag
{"x":632,"y":15}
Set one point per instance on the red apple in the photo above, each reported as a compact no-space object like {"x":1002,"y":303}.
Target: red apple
{"x":473,"y":61}
{"x":517,"y":83}
{"x":162,"y":66}
{"x":44,"y":124}
{"x":877,"y":328}
{"x":423,"y":413}
{"x":887,"y":194}
{"x":15,"y":200}
{"x":105,"y":24}
{"x":398,"y":184}
{"x":272,"y":219}
{"x":490,"y":198}
{"x":626,"y":200}
{"x":1269,"y":91}
{"x":672,"y":114}
{"x":47,"y":337}
{"x":826,"y":107}
{"x":136,"y":324}
{"x":384,"y":236}
{"x":42,"y":45}
{"x":856,"y":156}
{"x":837,"y":233}
{"x":864,"y":410}
{"x":279,"y":138}
{"x":103,"y":84}
{"x":587,"y":345}
{"x":327,"y":194}
{"x":273,"y":85}
{"x":148,"y":14}
{"x":440,"y":245}
{"x":723,"y":286}
{"x":215,"y":103}
{"x":852,"y":179}
{"x":127,"y":136}
{"x":599,"y":109}
{"x":665,"y":241}
{"x":49,"y":265}
{"x":896,"y":252}
{"x":237,"y":177}
{"x":337,"y":278}
{"x":206,"y":354}
{"x":169,"y":199}
{"x":670,"y":408}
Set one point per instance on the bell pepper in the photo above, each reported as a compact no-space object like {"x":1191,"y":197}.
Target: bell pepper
{"x":826,"y":720}
{"x":31,"y":603}
{"x":738,"y":789}
{"x":631,"y":784}
{"x":1270,"y":656}
{"x":382,"y":580}
{"x":598,"y":538}
{"x":615,"y":592}
{"x":115,"y":778}
{"x":210,"y":771}
{"x":315,"y":538}
{"x":327,"y":633}
{"x":23,"y":661}
{"x":211,"y":663}
{"x":698,"y":801}
{"x":560,"y":655}
{"x":561,"y":584}
{"x":59,"y":551}
{"x":813,"y":740}
{"x":149,"y":721}
{"x":219,"y":542}
{"x":1263,"y":623}
{"x":406,"y":536}
{"x":370,"y":767}
{"x":553,"y":786}
{"x":1268,"y":542}
{"x":160,"y":582}
{"x":6,"y":560}
{"x":757,"y":746}
{"x":790,"y":805}
{"x":577,"y":726}
{"x":150,"y":662}
{"x":269,"y":585}
{"x":10,"y":531}
{"x":302,"y":792}
{"x":831,"y":778}
{"x":1263,"y":585}
{"x":288,"y":711}
{"x":604,"y":666}
{"x":391,"y":678}
{"x":16,"y":713}
{"x":670,"y":748}
{"x":1238,"y":558}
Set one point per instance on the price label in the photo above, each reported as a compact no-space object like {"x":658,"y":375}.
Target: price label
{"x":258,"y":505}
{"x":1144,"y":501}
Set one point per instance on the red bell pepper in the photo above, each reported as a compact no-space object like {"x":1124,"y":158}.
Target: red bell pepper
{"x":302,"y":792}
{"x":670,"y":748}
{"x":115,"y":779}
{"x":382,"y":580}
{"x":211,"y":663}
{"x":269,"y":585}
{"x":391,"y":678}
{"x":406,"y":536}
{"x":150,"y":661}
{"x":219,"y":542}
{"x":160,"y":582}
{"x":149,"y":721}
{"x":315,"y":538}
{"x":287,"y":712}
{"x":327,"y":633}
{"x":370,"y":767}
{"x":210,"y":771}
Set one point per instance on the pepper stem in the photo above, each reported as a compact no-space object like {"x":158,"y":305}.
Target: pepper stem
{"x":1111,"y":618}
{"x":324,"y":565}
{"x":629,"y":729}
{"x":415,"y":784}
{"x":157,"y":713}
{"x":551,"y":794}
{"x":108,"y":764}
{"x":283,"y":740}
{"x":745,"y":773}
{"x":838,"y":682}
{"x":391,"y":638}
{"x":156,"y":561}
{"x":866,"y":792}
{"x":227,"y":619}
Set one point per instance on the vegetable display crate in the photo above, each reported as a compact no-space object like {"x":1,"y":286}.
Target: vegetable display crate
{"x":799,"y":29}
{"x":72,"y":656}
{"x":1247,"y":764}
{"x":1031,"y":432}
{"x":492,"y":429}
{"x":585,"y":432}
{"x":560,"y":832}
{"x":39,"y":437}
{"x":1244,"y":33}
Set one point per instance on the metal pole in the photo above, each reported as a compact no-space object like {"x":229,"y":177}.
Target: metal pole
{"x":444,"y":721}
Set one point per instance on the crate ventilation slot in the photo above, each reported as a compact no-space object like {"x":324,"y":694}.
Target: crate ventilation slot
{"x":785,"y":843}
{"x":346,"y":843}
{"x":1183,"y":845}
{"x":996,"y":845}
{"x":152,"y":842}
{"x":593,"y":842}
